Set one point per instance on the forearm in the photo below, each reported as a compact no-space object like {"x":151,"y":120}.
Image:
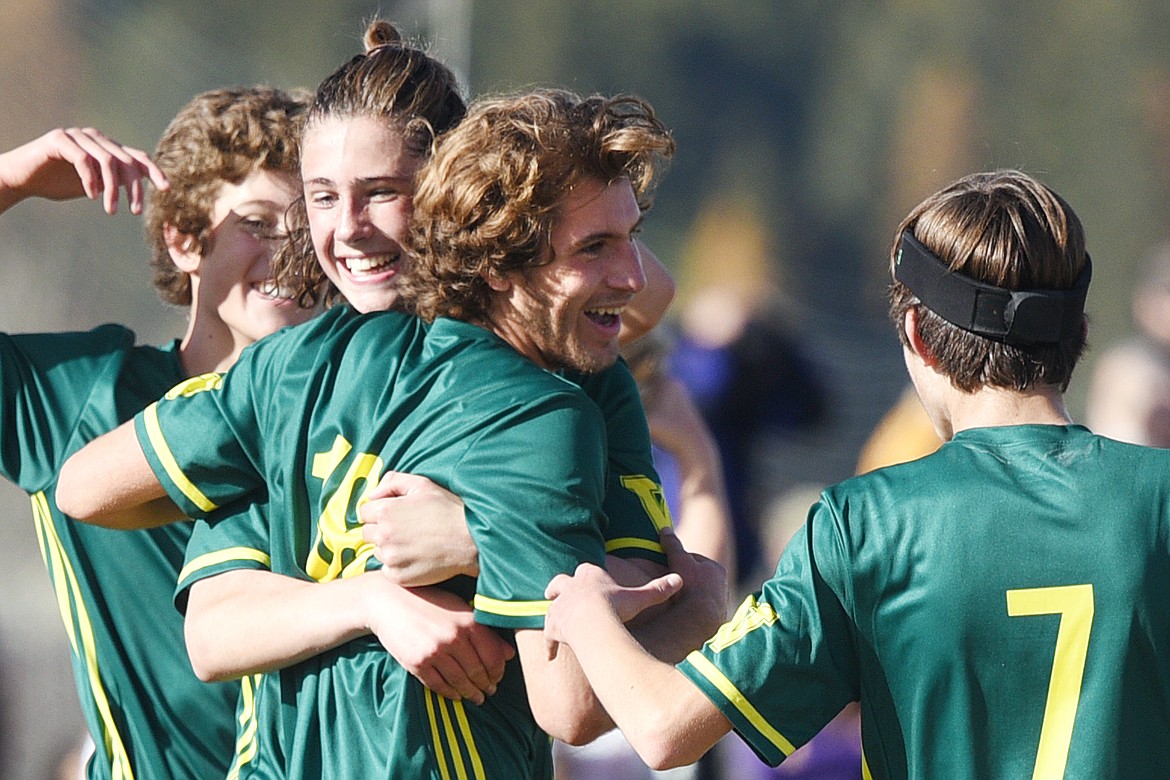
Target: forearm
{"x":703,"y":521}
{"x":663,"y":715}
{"x":102,"y":481}
{"x":250,"y":621}
{"x":561,"y":698}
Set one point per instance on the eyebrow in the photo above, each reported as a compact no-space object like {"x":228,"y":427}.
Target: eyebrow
{"x":324,"y":181}
{"x":602,"y":234}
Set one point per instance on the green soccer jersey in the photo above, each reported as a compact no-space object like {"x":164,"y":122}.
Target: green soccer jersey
{"x":317,"y":414}
{"x":148,"y":714}
{"x":1001,"y":609}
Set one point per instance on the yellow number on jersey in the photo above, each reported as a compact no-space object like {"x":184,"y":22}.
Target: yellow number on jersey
{"x":1074,"y":604}
{"x":339,"y":549}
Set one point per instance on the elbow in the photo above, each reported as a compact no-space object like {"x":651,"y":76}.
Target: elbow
{"x":69,"y":498}
{"x":576,"y":728}
{"x":205,"y":662}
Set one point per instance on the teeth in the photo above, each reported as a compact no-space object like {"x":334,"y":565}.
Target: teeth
{"x":369,"y":264}
{"x":272,"y":290}
{"x":608,"y":311}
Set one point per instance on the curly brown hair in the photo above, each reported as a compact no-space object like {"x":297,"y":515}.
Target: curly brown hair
{"x":392,"y":81}
{"x":486,"y":202}
{"x":1006,"y":229}
{"x":222,"y":135}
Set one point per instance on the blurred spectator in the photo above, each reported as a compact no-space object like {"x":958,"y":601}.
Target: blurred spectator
{"x":1129,"y":393}
{"x":751,"y":382}
{"x":905,"y":433}
{"x":688,"y":463}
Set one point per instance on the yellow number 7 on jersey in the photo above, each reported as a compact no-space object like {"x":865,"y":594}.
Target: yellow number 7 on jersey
{"x":1074,"y":604}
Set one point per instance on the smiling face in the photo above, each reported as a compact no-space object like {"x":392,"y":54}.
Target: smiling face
{"x":566,"y":313}
{"x":235,"y":303}
{"x":358,"y":181}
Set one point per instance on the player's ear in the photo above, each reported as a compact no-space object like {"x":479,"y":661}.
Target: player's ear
{"x":183,"y":249}
{"x":914,"y":338}
{"x":497,"y":281}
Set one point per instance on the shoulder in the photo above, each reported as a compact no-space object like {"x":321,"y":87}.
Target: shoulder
{"x":100,"y":340}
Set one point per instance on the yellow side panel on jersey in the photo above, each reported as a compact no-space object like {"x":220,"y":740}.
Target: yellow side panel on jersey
{"x":246,"y":744}
{"x":739,"y":701}
{"x":81,"y":637}
{"x":167,"y":458}
{"x":447,"y":741}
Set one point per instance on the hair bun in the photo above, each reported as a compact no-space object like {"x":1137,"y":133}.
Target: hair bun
{"x":381,"y":33}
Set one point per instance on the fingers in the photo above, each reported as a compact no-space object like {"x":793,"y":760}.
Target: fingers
{"x":106,"y":167}
{"x":630,"y":602}
{"x":470,"y":669}
{"x":397,"y":483}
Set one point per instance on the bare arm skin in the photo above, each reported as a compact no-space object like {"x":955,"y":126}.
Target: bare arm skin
{"x":649,"y":305}
{"x":247,"y":621}
{"x":419,"y":530}
{"x":76,"y":162}
{"x":421,"y":537}
{"x":666,"y":719}
{"x":703,"y":522}
{"x":109,"y":482}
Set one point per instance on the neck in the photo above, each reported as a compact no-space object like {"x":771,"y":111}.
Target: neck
{"x":205,"y":349}
{"x":515,"y":335}
{"x":992,"y":406}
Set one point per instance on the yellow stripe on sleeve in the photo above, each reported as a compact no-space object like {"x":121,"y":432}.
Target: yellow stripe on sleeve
{"x":159,"y":444}
{"x":511,"y":608}
{"x":220,"y":556}
{"x":633,"y":542}
{"x":739,"y":701}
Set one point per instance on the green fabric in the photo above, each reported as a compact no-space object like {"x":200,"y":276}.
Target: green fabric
{"x":933,"y":591}
{"x":317,"y":414}
{"x":148,"y":714}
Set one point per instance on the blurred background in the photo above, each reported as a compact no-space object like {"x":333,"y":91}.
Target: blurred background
{"x":805,"y":130}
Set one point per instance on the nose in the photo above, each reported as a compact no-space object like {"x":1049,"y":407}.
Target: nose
{"x":626,"y":271}
{"x":353,"y":221}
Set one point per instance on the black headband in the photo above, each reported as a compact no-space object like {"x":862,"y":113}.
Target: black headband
{"x":1016,"y":317}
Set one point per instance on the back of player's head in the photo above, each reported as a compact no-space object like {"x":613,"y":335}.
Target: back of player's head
{"x":219,"y":137}
{"x":1005,"y":230}
{"x":487,"y":200}
{"x":393,"y":82}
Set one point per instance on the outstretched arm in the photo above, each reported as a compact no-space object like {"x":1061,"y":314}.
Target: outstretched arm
{"x":666,"y":719}
{"x":247,"y":621}
{"x":109,"y":482}
{"x":74,"y":162}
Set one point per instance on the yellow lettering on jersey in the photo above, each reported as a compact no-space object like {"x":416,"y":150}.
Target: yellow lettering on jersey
{"x":1074,"y":604}
{"x":650,"y":494}
{"x":196,"y":384}
{"x":750,"y":616}
{"x":339,"y":550}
